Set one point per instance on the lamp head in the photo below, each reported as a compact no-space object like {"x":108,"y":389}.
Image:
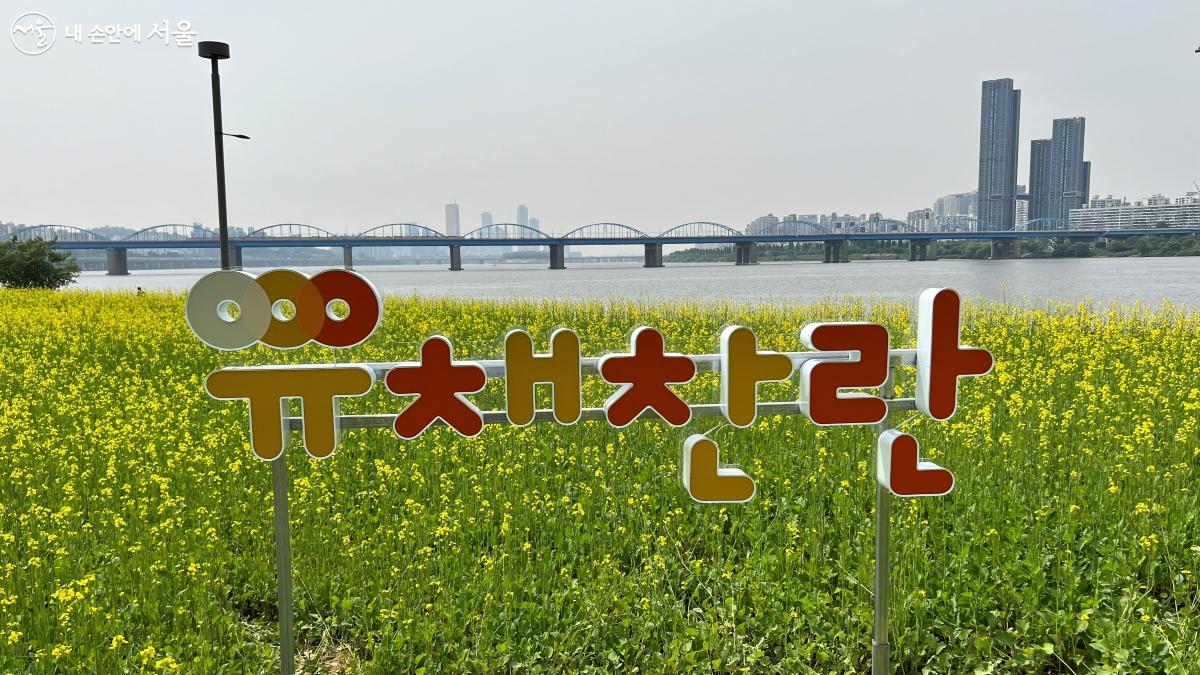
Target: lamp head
{"x":213,"y":50}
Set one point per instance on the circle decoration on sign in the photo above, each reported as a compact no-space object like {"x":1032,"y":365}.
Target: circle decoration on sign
{"x":283,"y":309}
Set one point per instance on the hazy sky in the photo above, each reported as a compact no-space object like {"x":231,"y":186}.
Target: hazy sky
{"x":650,"y":113}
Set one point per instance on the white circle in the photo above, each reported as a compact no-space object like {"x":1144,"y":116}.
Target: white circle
{"x":277,"y":310}
{"x":209,"y":302}
{"x":41,"y":25}
{"x":225,"y":310}
{"x":329,"y":310}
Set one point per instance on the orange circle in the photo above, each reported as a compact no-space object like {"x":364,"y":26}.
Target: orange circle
{"x":289,"y":285}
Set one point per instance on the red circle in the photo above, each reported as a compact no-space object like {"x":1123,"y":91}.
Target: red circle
{"x":347,"y":286}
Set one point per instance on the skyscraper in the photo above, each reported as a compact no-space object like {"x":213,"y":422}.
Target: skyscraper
{"x":1039,"y":179}
{"x":452,"y":227}
{"x":523,"y":215}
{"x":1068,"y":175}
{"x":485,"y":218}
{"x":999,"y":128}
{"x":1059,"y":179}
{"x":535,"y":224}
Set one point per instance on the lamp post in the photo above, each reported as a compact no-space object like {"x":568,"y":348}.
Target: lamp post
{"x":216,"y":51}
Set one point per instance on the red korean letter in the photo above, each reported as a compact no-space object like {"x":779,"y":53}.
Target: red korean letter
{"x":940,"y":358}
{"x":822,"y":379}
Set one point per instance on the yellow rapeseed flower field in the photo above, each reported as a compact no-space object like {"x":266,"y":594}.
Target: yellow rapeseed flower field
{"x":135,"y":525}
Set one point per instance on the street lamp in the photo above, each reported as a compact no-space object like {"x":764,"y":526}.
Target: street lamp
{"x":216,"y":51}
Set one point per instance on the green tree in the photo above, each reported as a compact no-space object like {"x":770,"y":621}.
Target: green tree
{"x":35,"y":263}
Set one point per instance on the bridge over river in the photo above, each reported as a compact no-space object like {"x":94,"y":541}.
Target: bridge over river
{"x":922,"y":245}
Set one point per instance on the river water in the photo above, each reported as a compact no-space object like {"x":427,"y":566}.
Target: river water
{"x":1149,"y":280}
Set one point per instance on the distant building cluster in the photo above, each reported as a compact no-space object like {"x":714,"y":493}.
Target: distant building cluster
{"x":1154,"y":211}
{"x":809,"y":223}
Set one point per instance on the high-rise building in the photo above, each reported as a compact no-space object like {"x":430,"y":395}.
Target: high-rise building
{"x":485,"y":219}
{"x":956,"y":211}
{"x":536,"y":224}
{"x":523,"y":220}
{"x":999,"y":130}
{"x":1087,"y":180}
{"x":1039,"y":179}
{"x":836,"y":222}
{"x":1021,"y":216}
{"x":1059,"y":179}
{"x":1068,"y":173}
{"x":921,"y":220}
{"x":452,"y":226}
{"x":762,"y":224}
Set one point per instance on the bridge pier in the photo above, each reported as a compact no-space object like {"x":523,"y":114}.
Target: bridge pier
{"x":348,"y":257}
{"x":558,"y":256}
{"x":999,"y":249}
{"x":923,"y":249}
{"x":235,"y":257}
{"x":455,"y":258}
{"x":654,"y":257}
{"x":117,"y":261}
{"x":837,"y":251}
{"x":745,"y":253}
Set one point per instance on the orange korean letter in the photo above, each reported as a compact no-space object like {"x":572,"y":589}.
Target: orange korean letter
{"x":821,"y":379}
{"x":742,"y":368}
{"x":560,"y":368}
{"x":706,"y":480}
{"x":268,"y":388}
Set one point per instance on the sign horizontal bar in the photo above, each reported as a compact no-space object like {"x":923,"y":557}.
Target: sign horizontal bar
{"x":705,"y":363}
{"x":589,"y":414}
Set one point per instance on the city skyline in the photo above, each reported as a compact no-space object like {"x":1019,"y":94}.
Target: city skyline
{"x":614,"y":136}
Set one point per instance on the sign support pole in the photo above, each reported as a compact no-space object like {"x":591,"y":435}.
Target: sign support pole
{"x":283,"y":564}
{"x":880,"y":649}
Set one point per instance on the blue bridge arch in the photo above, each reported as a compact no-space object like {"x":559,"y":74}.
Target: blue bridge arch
{"x":170,"y":232}
{"x":400,"y":231}
{"x":60,"y":232}
{"x":701,"y":228}
{"x":291,"y":231}
{"x":506,"y":231}
{"x":604,"y":231}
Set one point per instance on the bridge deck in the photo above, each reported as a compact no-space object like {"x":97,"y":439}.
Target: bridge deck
{"x":355,"y":241}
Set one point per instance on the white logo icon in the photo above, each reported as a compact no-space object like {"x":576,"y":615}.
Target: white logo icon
{"x":32,"y":33}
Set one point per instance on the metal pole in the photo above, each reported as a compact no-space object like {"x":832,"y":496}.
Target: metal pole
{"x":219,"y":140}
{"x":283,"y":564}
{"x":880,"y":649}
{"x":215,"y":51}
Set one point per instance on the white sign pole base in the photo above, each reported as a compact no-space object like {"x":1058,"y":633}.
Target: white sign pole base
{"x":283,"y":564}
{"x":880,"y":649}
